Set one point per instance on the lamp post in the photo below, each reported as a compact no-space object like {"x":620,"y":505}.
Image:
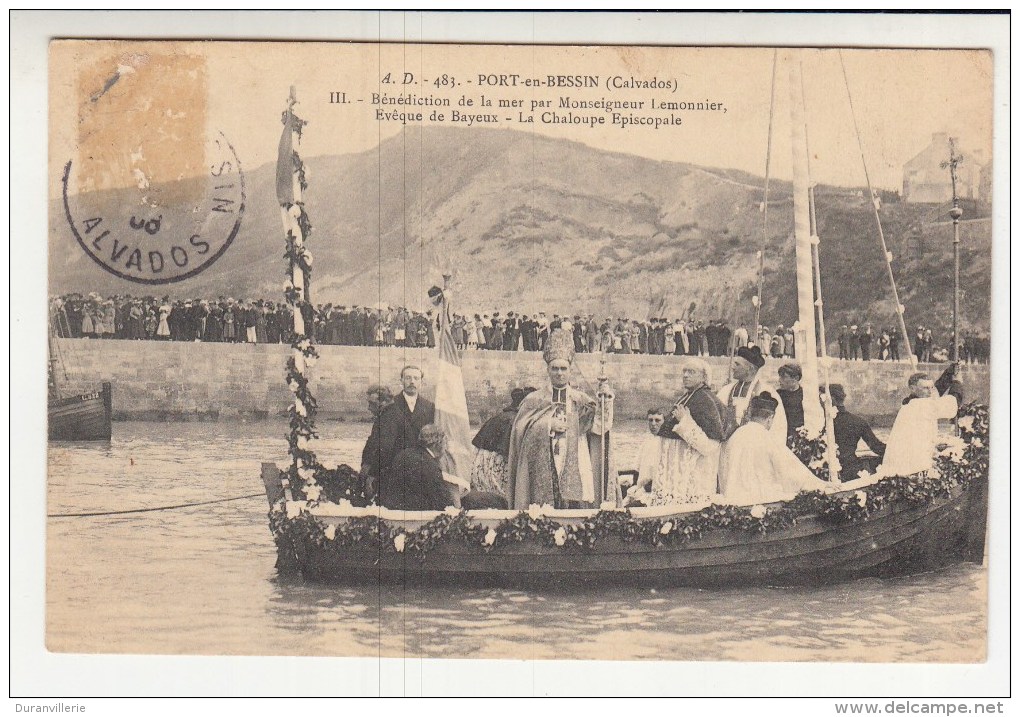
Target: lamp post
{"x":955,"y":213}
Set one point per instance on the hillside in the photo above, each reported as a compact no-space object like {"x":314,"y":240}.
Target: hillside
{"x":531,"y":223}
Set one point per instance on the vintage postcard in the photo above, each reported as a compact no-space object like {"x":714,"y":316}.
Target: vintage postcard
{"x":503,"y":351}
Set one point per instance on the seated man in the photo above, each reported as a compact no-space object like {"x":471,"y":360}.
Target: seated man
{"x":755,"y":468}
{"x":415,"y":481}
{"x":850,"y":429}
{"x":914,"y":435}
{"x":379,"y":397}
{"x":648,"y":459}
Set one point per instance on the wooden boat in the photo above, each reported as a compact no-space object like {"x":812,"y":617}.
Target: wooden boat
{"x":75,"y":416}
{"x":901,"y":538}
{"x":890,"y":527}
{"x":81,"y":417}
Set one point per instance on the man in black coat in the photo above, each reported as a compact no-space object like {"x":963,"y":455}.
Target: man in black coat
{"x":415,"y":480}
{"x":849,"y":430}
{"x":401,"y":422}
{"x":791,"y":393}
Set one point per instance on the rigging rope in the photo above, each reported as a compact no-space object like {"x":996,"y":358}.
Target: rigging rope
{"x":151,"y":510}
{"x":765,"y":204}
{"x":878,"y":221}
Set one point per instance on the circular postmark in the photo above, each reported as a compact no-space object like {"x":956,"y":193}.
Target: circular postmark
{"x":160,"y":233}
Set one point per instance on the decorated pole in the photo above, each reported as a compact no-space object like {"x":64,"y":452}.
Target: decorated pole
{"x":806,"y":339}
{"x":602,"y":397}
{"x":451,"y":402}
{"x":290,"y":183}
{"x":831,"y":459}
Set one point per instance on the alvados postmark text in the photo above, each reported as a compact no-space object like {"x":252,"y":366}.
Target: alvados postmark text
{"x":153,"y":197}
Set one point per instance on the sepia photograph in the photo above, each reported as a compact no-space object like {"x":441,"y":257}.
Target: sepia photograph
{"x":438,"y":348}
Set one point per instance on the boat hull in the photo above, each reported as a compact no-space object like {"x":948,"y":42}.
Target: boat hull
{"x":896,"y":541}
{"x":85,"y":417}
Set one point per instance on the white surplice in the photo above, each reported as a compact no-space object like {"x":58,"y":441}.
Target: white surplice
{"x":755,"y":468}
{"x":915,"y":433}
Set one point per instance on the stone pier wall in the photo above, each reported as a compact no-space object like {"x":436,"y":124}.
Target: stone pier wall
{"x":155,"y":380}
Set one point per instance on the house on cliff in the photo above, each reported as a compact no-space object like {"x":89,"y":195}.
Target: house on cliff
{"x":925,"y":180}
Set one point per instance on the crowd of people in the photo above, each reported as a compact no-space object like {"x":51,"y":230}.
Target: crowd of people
{"x":864,"y":343}
{"x":551,"y":445}
{"x":261,"y":321}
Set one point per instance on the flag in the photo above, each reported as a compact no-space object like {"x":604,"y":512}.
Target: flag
{"x":451,"y":403}
{"x":285,"y":163}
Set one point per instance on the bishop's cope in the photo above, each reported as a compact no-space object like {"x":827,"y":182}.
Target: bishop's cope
{"x":560,"y":452}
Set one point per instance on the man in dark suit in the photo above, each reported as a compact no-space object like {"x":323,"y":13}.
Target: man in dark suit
{"x":415,"y":480}
{"x":850,"y":430}
{"x":401,"y":422}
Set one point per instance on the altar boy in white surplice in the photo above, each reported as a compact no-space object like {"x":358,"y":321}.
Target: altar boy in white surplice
{"x":755,"y":468}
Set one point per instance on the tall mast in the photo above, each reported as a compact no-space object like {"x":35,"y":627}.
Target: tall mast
{"x":806,"y":341}
{"x":765,"y":207}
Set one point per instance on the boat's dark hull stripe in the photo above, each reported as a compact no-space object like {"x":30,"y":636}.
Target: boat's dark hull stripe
{"x":900,"y":540}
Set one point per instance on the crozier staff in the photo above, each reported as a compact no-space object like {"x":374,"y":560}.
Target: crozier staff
{"x":556,"y":454}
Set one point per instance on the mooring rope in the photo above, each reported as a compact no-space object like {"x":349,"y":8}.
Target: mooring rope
{"x":765,"y":205}
{"x":151,"y":510}
{"x":886,"y":254}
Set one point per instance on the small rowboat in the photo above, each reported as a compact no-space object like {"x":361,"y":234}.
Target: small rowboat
{"x":331,"y":543}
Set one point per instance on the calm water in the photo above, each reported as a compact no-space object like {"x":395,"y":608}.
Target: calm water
{"x":202,"y":580}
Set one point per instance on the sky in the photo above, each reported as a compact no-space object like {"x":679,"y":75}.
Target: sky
{"x":901,"y":97}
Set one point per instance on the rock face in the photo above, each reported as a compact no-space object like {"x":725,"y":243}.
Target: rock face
{"x":529,"y":223}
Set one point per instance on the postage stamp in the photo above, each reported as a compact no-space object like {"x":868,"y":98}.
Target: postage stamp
{"x":152,"y":195}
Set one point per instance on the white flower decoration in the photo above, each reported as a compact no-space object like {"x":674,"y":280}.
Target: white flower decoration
{"x":535,"y":511}
{"x":294,"y":508}
{"x":966,"y":423}
{"x":862,"y":498}
{"x":306,"y":474}
{"x":312,"y":491}
{"x":398,"y":542}
{"x":308,"y":257}
{"x":299,"y":407}
{"x":758,"y":511}
{"x":330,"y":531}
{"x":294,"y":386}
{"x":977,"y":443}
{"x":954,"y":448}
{"x":560,"y":536}
{"x":490,"y":537}
{"x":666,"y":528}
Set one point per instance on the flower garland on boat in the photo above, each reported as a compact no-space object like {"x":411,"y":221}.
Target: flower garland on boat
{"x":811,"y":451}
{"x":958,"y":462}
